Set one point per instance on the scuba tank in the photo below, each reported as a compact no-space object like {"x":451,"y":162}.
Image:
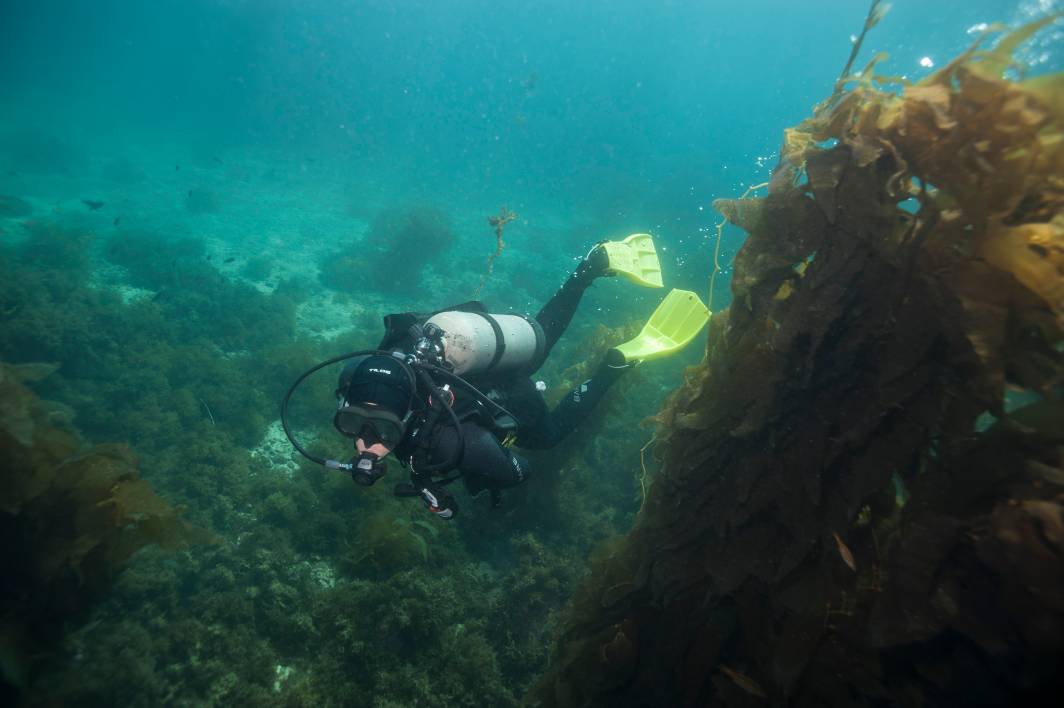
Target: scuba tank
{"x":477,"y":343}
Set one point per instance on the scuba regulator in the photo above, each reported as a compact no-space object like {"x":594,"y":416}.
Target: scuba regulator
{"x":368,"y":469}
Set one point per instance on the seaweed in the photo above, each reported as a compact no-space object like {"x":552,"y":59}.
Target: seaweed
{"x":387,"y":540}
{"x":498,"y":224}
{"x":831,"y":525}
{"x":71,"y":517}
{"x":408,"y":238}
{"x":200,"y":302}
{"x":214,"y":624}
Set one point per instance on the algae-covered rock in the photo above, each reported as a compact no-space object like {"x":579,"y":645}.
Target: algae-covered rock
{"x":829,"y":525}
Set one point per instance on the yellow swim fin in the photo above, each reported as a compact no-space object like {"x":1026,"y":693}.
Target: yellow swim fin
{"x":678,"y":319}
{"x":636,"y":259}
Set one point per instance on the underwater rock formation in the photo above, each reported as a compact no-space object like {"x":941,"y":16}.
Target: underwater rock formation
{"x":849,"y":510}
{"x":70,"y":516}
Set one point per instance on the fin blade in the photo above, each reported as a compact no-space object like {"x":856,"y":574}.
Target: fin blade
{"x":636,"y":258}
{"x":676,"y":321}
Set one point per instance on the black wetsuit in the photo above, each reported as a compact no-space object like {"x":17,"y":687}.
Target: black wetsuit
{"x":486,"y":463}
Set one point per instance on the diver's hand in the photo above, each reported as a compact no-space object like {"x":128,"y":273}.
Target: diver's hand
{"x":439,"y":502}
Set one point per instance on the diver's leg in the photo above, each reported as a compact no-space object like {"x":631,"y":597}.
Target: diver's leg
{"x":575,"y":407}
{"x":559,"y":310}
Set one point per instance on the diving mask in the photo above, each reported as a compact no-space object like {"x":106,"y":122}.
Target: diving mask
{"x":352,"y":420}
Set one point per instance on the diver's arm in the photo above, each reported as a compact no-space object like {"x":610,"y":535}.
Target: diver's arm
{"x":484,"y":456}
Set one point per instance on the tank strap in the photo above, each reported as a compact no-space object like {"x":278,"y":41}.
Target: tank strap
{"x":500,"y":341}
{"x":541,"y":344}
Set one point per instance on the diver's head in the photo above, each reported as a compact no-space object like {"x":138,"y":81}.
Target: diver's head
{"x":375,"y":398}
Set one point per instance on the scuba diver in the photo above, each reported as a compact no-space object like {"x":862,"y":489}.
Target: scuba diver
{"x":447,"y":393}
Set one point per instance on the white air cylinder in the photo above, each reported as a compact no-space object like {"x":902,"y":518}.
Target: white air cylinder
{"x":472,"y":345}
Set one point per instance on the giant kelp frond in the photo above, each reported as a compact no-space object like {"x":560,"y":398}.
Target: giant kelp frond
{"x":833,"y":520}
{"x":70,"y":516}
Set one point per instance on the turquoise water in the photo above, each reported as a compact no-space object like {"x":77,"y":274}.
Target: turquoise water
{"x":194,"y":207}
{"x":586,"y":120}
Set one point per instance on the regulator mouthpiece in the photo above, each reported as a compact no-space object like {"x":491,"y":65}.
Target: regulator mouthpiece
{"x":368,"y":469}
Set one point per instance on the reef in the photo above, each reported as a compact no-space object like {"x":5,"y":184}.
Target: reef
{"x":409,"y":238}
{"x":319,"y":592}
{"x":71,"y":515}
{"x":861,"y":493}
{"x":190,"y":292}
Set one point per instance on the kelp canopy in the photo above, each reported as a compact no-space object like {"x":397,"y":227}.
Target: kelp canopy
{"x":851,"y":508}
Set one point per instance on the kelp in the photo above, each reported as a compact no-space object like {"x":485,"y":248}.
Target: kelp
{"x":498,"y":223}
{"x":70,"y":515}
{"x":831,"y":525}
{"x":412,"y":236}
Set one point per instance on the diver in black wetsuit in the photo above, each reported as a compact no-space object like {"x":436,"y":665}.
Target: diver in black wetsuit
{"x":484,"y":461}
{"x":447,"y":392}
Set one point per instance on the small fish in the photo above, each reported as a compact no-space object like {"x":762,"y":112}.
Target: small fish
{"x":92,"y":204}
{"x":217,"y":159}
{"x":210,"y":257}
{"x":230,"y":259}
{"x":844,"y":551}
{"x":177,"y":168}
{"x":118,"y":220}
{"x":743,"y":681}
